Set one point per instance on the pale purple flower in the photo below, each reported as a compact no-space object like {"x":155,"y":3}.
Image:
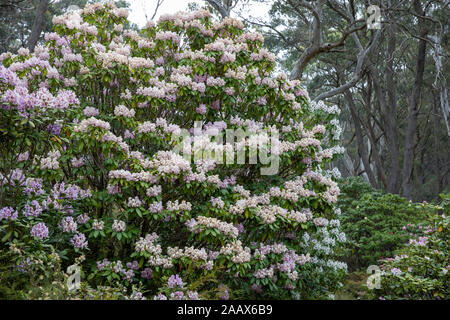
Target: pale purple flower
{"x":128,"y":135}
{"x":8,"y":213}
{"x":23,"y":156}
{"x":102,"y":264}
{"x":177,"y":295}
{"x":68,"y":224}
{"x":113,"y":189}
{"x":160,"y":296}
{"x":257,"y":288}
{"x":159,"y":61}
{"x":215,"y":105}
{"x":147,"y":273}
{"x":193,"y":295}
{"x":82,"y":219}
{"x":133,"y":265}
{"x":201,"y":109}
{"x":225,"y":294}
{"x":54,"y":129}
{"x":79,"y":241}
{"x":39,"y":230}
{"x":396,"y":271}
{"x":155,"y":207}
{"x":175,"y":280}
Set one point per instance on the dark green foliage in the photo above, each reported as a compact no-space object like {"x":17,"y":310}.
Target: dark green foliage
{"x":373,"y":221}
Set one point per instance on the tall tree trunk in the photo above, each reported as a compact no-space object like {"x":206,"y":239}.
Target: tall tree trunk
{"x":362,"y":151}
{"x":38,"y":24}
{"x":391,"y":118}
{"x":437,"y":147}
{"x":420,"y":180}
{"x":388,"y":106}
{"x":440,"y":81}
{"x":408,"y":154}
{"x":377,"y":169}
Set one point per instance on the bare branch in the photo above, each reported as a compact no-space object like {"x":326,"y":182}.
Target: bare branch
{"x":223,"y":10}
{"x":158,"y":4}
{"x":363,"y":54}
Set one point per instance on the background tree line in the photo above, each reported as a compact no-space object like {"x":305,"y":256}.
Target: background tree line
{"x":390,"y":83}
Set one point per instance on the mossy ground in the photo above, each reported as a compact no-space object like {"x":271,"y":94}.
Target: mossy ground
{"x":354,"y":288}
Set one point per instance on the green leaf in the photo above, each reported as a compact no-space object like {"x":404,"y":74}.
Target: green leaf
{"x":6,"y":237}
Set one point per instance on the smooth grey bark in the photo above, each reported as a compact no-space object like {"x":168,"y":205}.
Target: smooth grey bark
{"x":348,"y":164}
{"x":437,"y":147}
{"x":224,"y":7}
{"x":362,"y":150}
{"x":440,"y":81}
{"x":408,"y":154}
{"x":372,"y":137}
{"x":38,"y":24}
{"x":388,"y":107}
{"x":390,"y":118}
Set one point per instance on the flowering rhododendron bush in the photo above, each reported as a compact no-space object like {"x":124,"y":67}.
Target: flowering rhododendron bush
{"x":92,"y":173}
{"x":419,"y":270}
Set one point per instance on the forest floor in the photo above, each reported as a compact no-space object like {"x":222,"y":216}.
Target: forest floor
{"x":354,"y":287}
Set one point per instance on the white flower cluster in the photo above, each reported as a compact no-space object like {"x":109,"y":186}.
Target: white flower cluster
{"x":157,"y":261}
{"x":337,"y":129}
{"x":90,"y":112}
{"x":264,"y":273}
{"x":98,"y":225}
{"x":51,"y":161}
{"x":154,"y":191}
{"x":322,"y":106}
{"x":335,"y":173}
{"x":148,"y":244}
{"x":228,"y":22}
{"x":177,"y":206}
{"x":121,"y":110}
{"x":217,"y":202}
{"x":224,"y":227}
{"x":138,"y":62}
{"x":240,"y":189}
{"x":119,"y":226}
{"x":91,"y":122}
{"x":189,"y":252}
{"x":320,"y":222}
{"x":134,"y":202}
{"x":143,"y":176}
{"x":169,"y":162}
{"x":269,"y":213}
{"x":301,"y":216}
{"x":238,"y":253}
{"x":251,"y":37}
